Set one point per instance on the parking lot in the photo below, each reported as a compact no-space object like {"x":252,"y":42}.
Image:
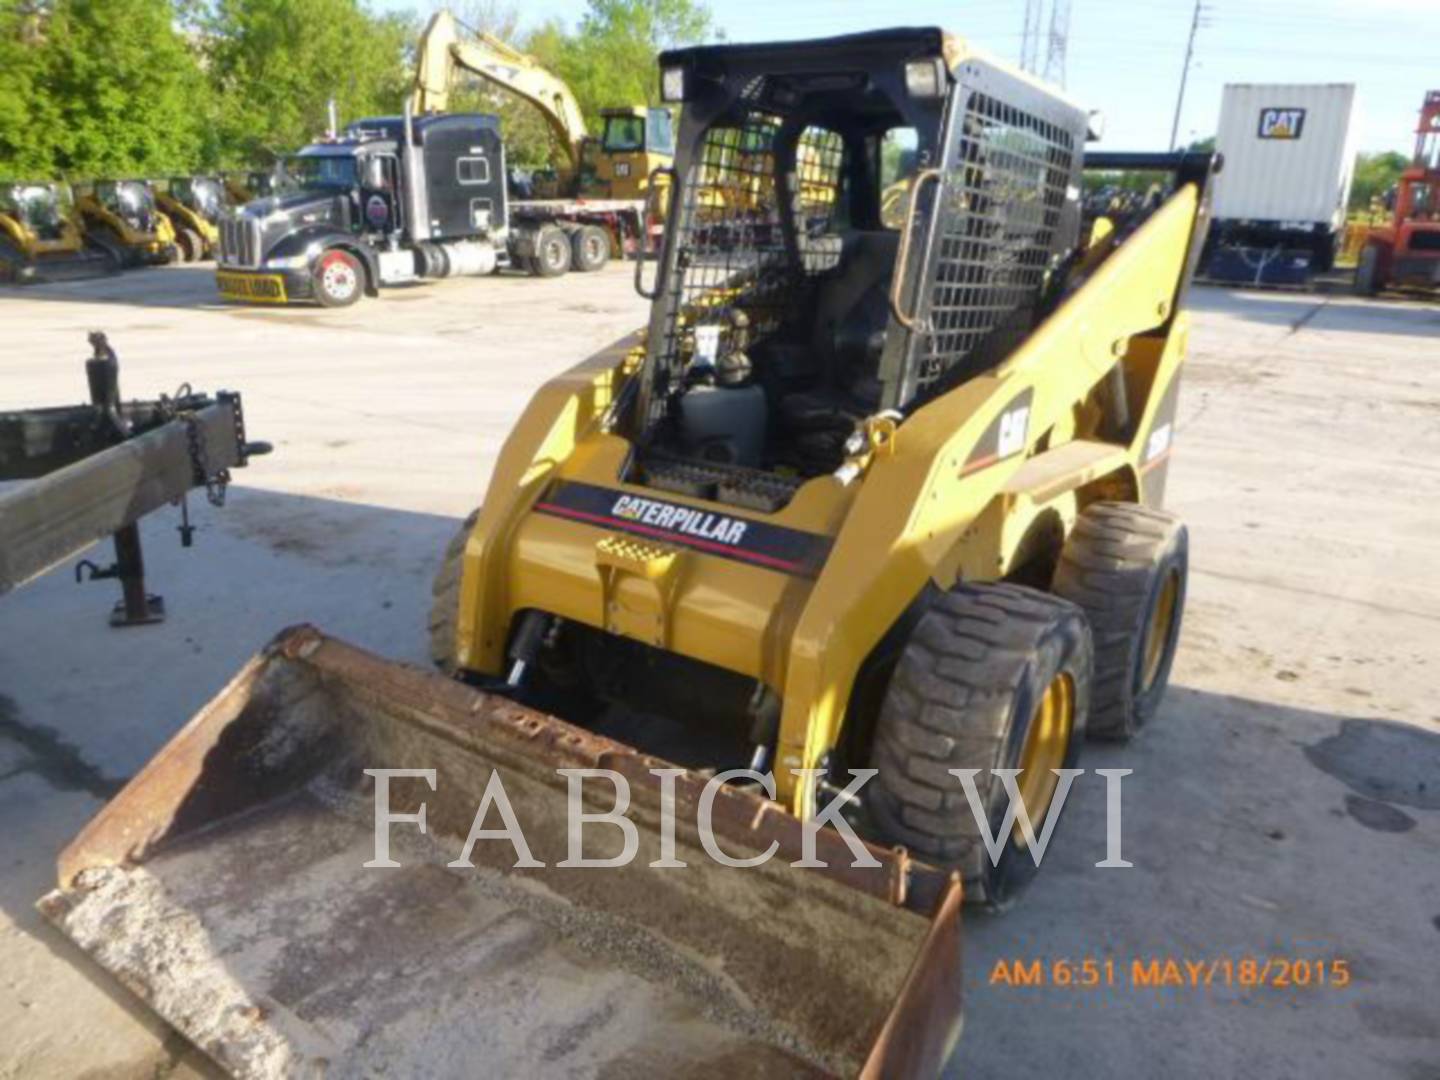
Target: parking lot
{"x":1285,"y":804}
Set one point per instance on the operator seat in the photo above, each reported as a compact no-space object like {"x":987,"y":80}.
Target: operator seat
{"x":851,"y":312}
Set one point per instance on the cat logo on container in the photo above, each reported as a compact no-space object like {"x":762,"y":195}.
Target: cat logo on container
{"x":1284,"y":124}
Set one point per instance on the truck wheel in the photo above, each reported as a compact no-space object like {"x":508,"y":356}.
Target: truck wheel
{"x":552,"y":252}
{"x":591,"y":248}
{"x":993,"y":677}
{"x":1366,"y":272}
{"x":1126,"y":567}
{"x":445,"y":598}
{"x":338,"y":279}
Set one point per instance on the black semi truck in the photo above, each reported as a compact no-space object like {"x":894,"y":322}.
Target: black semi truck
{"x":397,"y":199}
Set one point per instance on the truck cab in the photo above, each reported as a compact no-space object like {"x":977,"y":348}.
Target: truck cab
{"x":392,"y":200}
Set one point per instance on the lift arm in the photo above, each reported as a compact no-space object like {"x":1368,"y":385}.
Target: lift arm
{"x":441,"y":51}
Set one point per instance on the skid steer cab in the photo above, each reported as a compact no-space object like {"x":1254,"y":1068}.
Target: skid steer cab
{"x":879,"y":485}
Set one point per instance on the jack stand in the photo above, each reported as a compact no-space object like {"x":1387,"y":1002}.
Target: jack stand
{"x":137,"y":608}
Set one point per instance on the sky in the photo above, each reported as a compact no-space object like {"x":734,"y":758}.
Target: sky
{"x":1124,"y":56}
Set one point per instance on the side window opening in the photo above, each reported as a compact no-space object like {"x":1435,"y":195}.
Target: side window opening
{"x":899,"y":161}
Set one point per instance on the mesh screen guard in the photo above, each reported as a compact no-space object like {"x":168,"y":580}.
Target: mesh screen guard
{"x":1003,"y":218}
{"x":731,"y":246}
{"x":1005,"y":215}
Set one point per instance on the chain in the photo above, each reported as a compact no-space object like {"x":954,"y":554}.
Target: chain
{"x":200,"y":464}
{"x":215,"y":484}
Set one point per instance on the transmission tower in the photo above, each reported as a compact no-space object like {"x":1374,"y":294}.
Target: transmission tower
{"x":1043,"y":41}
{"x":1030,"y":36}
{"x":1055,"y":42}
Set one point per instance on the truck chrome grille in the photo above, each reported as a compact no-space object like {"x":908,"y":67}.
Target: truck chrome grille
{"x":239,"y":241}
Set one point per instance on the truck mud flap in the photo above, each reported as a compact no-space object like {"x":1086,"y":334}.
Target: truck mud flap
{"x":226,"y":886}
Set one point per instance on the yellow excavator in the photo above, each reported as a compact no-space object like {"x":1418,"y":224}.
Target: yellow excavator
{"x":41,"y":238}
{"x":120,"y":217}
{"x":634,"y":142}
{"x":761,"y":603}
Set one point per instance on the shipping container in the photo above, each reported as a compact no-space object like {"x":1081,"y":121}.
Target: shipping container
{"x":1279,"y":201}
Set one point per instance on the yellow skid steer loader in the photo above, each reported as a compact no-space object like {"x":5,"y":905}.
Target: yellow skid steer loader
{"x":858,"y":498}
{"x":122,"y":220}
{"x":41,"y":238}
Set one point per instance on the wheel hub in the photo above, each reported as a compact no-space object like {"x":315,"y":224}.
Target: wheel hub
{"x":1157,"y":631}
{"x":338,"y":278}
{"x":1046,"y":744}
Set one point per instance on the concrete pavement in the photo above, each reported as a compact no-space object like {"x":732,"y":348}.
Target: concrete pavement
{"x":1284,"y":803}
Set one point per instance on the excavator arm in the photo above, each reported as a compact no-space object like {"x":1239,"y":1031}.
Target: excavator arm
{"x":441,"y":51}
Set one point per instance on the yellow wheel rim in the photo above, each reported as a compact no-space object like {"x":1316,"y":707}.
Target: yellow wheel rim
{"x":1157,"y":631}
{"x":1045,"y":745}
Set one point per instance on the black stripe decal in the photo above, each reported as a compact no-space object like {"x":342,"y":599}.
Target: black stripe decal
{"x":712,"y":530}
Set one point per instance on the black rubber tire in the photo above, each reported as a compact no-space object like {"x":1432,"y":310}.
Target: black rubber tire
{"x":552,"y":252}
{"x":1366,"y":270}
{"x":445,"y":598}
{"x":341,"y":288}
{"x":963,"y":694}
{"x":1114,"y":564}
{"x":108,"y":241}
{"x":13,"y":263}
{"x":191,"y":245}
{"x":590,"y":246}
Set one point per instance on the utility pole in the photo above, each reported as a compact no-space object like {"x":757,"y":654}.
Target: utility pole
{"x":1185,"y":71}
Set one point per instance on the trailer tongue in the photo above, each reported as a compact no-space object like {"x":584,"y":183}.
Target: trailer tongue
{"x":227,"y":886}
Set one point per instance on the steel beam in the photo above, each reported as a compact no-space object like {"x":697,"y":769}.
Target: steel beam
{"x":49,"y":519}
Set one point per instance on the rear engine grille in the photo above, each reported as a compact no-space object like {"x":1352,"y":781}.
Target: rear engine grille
{"x":727,"y":484}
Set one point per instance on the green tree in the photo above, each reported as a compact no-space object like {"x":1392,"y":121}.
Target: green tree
{"x":1375,"y":174}
{"x":27,"y":131}
{"x":610,"y":60}
{"x":108,"y":90}
{"x":275,"y":65}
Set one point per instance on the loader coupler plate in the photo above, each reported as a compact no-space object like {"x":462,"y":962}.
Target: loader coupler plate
{"x":227,"y":886}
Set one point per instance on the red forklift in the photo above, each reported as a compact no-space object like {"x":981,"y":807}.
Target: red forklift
{"x":1405,"y":252}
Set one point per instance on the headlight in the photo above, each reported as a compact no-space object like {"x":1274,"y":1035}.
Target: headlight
{"x":287,"y":262}
{"x":925,"y":78}
{"x":672,"y":84}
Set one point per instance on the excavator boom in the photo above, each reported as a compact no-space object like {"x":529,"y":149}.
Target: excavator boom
{"x":442,"y":51}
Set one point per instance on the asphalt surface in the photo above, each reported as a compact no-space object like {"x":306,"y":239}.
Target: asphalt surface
{"x":1283,"y":805}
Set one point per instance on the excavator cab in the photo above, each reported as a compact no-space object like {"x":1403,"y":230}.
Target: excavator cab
{"x":633,"y":143}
